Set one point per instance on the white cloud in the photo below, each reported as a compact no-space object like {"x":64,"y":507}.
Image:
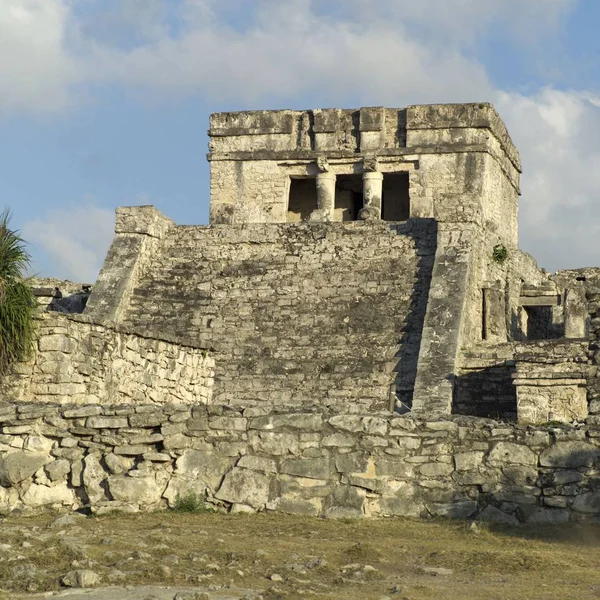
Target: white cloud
{"x":270,"y":53}
{"x":557,"y":134}
{"x":75,"y":238}
{"x":327,"y":60}
{"x":36,"y":71}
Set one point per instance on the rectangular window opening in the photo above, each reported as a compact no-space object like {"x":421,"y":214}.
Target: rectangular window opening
{"x":302,"y":199}
{"x":348,"y":197}
{"x":483,"y":314}
{"x":396,"y":197}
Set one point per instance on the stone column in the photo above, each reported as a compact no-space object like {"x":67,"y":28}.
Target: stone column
{"x":325,"y":197}
{"x":575,"y":312}
{"x":372,"y":193}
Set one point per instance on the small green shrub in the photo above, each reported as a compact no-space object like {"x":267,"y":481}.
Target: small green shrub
{"x":499,"y":253}
{"x":190,"y":502}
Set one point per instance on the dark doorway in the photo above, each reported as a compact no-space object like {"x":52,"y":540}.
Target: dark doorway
{"x":396,"y":198}
{"x":348,"y":197}
{"x":302,"y":199}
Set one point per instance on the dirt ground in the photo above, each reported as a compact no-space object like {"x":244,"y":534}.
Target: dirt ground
{"x":285,"y":557}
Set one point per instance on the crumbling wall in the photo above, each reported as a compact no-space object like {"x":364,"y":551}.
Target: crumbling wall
{"x":77,"y":361}
{"x":315,"y":463}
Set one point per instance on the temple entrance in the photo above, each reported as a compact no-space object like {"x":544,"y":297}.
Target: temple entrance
{"x":396,"y":197}
{"x":348,"y":197}
{"x":302,"y":199}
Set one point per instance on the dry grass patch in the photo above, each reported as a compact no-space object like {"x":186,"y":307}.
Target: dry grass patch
{"x":295,"y":557}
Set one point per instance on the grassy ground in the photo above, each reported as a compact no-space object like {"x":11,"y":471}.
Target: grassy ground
{"x":293,"y":557}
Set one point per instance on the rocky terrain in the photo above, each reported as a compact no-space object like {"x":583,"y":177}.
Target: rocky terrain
{"x":213,"y":556}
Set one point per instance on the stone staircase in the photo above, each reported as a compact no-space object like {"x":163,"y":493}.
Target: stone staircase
{"x":294,"y":314}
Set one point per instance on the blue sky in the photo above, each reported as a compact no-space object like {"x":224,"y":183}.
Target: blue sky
{"x":105,"y":102}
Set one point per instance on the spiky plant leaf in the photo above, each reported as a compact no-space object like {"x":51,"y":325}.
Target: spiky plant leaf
{"x":17,"y":303}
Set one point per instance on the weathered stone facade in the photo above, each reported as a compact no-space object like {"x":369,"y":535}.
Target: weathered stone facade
{"x":359,"y":265}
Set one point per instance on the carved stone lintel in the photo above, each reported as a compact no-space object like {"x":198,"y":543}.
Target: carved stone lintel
{"x":322,"y":164}
{"x":370,"y":164}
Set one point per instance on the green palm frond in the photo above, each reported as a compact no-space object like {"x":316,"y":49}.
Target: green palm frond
{"x":17,"y":303}
{"x":14,"y":258}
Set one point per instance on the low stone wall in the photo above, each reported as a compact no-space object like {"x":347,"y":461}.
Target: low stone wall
{"x":77,"y":361}
{"x":316,"y":463}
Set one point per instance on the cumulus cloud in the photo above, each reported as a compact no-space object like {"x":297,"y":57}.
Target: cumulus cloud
{"x":75,"y":238}
{"x":266,"y":53}
{"x":557,"y":133}
{"x":36,"y":70}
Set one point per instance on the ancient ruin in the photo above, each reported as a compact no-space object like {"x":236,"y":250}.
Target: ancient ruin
{"x":355,"y":333}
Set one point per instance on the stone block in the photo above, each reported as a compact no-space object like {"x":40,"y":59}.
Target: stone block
{"x":118,"y":465}
{"x":58,"y":469}
{"x":57,"y":343}
{"x":301,"y":421}
{"x":228,"y":423}
{"x":505,"y":453}
{"x":436,"y":469}
{"x":131,"y":450}
{"x":353,"y":462}
{"x":106,"y":422}
{"x":242,"y":486}
{"x":258,"y":463}
{"x":156,"y":457}
{"x":570,"y":455}
{"x":176,"y":441}
{"x":344,"y":502}
{"x":147,"y":419}
{"x":83,"y":411}
{"x":337,"y":440}
{"x":42,"y":495}
{"x":173,"y":428}
{"x":587,"y":503}
{"x":141,"y":491}
{"x":274,"y":443}
{"x":454,"y":510}
{"x":313,"y":468}
{"x":38,"y":443}
{"x":394,"y":468}
{"x":93,"y":478}
{"x":468,"y":461}
{"x":197,"y":424}
{"x":19,"y":466}
{"x":205,"y":466}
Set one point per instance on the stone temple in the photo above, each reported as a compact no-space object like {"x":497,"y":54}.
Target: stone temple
{"x":358,"y":291}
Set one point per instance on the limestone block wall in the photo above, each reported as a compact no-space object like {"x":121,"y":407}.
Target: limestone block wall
{"x":460,"y":159}
{"x":294,"y":314}
{"x":76,"y":361}
{"x":317,"y":463}
{"x":551,"y":381}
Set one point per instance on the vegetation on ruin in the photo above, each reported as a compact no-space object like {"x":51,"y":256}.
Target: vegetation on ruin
{"x":191,"y":503}
{"x":289,"y":557}
{"x":17,"y":303}
{"x":499,"y":253}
